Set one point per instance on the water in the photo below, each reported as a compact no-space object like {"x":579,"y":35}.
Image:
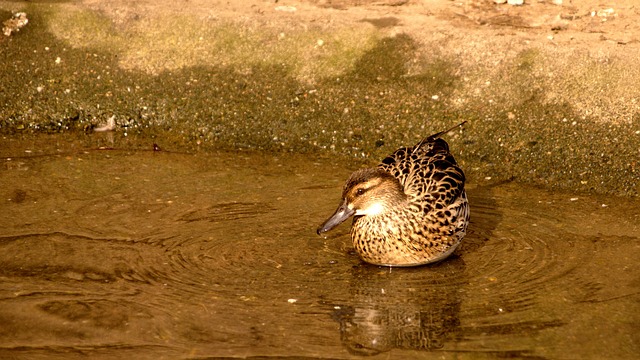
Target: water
{"x":127,"y":252}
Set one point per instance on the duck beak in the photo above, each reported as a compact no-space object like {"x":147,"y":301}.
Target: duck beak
{"x":342,"y":213}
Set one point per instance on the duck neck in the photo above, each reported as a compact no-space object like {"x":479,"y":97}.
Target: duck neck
{"x":395,"y":196}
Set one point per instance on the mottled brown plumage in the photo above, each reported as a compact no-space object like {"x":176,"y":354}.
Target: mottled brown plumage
{"x":410,"y":210}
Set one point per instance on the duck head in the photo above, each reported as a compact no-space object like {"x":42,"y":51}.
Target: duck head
{"x":367,"y":192}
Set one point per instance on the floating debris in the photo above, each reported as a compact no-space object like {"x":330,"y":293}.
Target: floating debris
{"x":110,"y":126}
{"x":14,"y":24}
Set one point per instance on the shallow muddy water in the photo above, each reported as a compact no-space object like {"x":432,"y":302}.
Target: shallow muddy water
{"x":131,"y":253}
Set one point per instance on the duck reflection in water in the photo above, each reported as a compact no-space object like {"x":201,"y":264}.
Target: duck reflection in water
{"x":408,"y":309}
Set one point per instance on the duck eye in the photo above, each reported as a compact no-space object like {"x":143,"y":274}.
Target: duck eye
{"x":360,"y":191}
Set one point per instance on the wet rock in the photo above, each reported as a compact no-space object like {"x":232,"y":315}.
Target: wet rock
{"x":17,"y":21}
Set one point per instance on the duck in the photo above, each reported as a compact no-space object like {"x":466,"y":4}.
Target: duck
{"x":410,"y":210}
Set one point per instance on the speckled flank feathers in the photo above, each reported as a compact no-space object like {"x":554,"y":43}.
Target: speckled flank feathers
{"x":410,"y":210}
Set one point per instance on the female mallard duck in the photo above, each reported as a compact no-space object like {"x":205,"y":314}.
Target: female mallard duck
{"x":410,"y":210}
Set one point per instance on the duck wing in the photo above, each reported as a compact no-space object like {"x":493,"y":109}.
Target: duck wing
{"x":428,"y":173}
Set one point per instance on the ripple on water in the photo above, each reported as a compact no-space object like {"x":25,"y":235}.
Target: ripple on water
{"x":525,"y":254}
{"x":75,"y":259}
{"x":185,"y":253}
{"x":492,"y":287}
{"x":227,"y":212}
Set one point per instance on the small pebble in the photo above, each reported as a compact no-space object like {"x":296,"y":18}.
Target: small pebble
{"x":289,"y":9}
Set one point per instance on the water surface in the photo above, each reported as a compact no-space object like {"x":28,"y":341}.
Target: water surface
{"x":114,"y":250}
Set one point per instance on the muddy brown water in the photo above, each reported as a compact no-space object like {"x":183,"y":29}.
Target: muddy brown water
{"x":129,"y":253}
